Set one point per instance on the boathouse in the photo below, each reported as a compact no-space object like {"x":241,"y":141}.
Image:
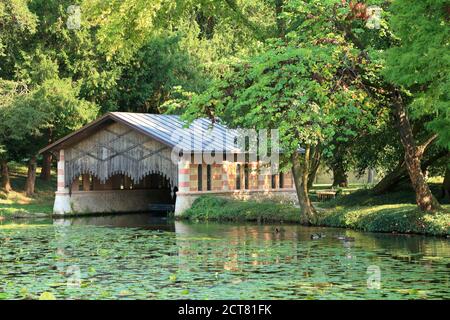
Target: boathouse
{"x":134,"y":162}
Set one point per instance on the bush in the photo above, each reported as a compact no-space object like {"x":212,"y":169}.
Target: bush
{"x":215,"y":208}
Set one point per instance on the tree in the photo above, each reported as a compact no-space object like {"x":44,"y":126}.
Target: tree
{"x":149,"y":78}
{"x":421,"y":64}
{"x":17,"y":25}
{"x":291,"y":88}
{"x":9,"y":90}
{"x":49,"y":49}
{"x":52,"y":107}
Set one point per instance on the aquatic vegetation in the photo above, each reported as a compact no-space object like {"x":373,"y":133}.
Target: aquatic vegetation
{"x":216,"y":261}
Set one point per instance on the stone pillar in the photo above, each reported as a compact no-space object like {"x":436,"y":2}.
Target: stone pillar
{"x":183,"y":200}
{"x":62,"y":195}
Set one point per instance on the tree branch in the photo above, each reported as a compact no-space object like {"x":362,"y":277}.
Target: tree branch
{"x":421,"y":149}
{"x":240,"y":15}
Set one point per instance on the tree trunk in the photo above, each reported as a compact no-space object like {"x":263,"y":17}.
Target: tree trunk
{"x":424,"y":198}
{"x":46,"y":166}
{"x":281,"y":23}
{"x":300,"y":174}
{"x":400,"y":173}
{"x":370,"y":175}
{"x":315,"y":164}
{"x":446,"y":184}
{"x":6,"y":182}
{"x":390,"y":180}
{"x":340,"y":178}
{"x":31,"y":177}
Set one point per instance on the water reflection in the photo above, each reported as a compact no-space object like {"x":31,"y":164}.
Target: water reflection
{"x":149,"y":221}
{"x":148,"y":256}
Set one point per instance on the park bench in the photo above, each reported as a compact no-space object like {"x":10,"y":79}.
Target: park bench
{"x":326,"y":195}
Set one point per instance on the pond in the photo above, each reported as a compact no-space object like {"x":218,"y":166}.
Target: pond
{"x":143,"y":256}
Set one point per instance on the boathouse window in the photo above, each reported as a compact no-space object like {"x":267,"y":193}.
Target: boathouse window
{"x":200,"y":178}
{"x":274,"y":181}
{"x":238,"y":177}
{"x":208,"y":177}
{"x":281,"y":180}
{"x":246,"y":176}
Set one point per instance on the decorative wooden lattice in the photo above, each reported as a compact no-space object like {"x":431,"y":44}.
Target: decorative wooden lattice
{"x":118,"y":149}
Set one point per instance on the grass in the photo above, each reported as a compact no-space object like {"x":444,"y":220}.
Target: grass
{"x":395,"y":211}
{"x":355,"y":208}
{"x":360,"y":210}
{"x":213,"y":208}
{"x":398,"y":218}
{"x":17,"y":203}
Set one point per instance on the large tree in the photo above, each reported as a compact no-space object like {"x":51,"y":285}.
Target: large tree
{"x":421,"y":64}
{"x":53,"y":107}
{"x":9,"y":91}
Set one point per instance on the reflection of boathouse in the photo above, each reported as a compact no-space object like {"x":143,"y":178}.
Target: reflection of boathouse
{"x":128,"y":162}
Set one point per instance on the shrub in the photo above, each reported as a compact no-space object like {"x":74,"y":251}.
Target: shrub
{"x":215,"y":208}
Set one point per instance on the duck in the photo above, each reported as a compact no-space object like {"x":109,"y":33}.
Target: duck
{"x":278,"y":230}
{"x":346,"y":239}
{"x":316,"y":236}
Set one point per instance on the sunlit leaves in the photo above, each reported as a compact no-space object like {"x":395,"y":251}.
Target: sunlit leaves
{"x":421,"y":63}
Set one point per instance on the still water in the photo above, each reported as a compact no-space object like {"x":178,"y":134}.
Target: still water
{"x":143,"y":256}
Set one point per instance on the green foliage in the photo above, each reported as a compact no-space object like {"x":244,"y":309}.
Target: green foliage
{"x":392,"y":212}
{"x":209,"y":27}
{"x":17,"y":24}
{"x":421,"y":63}
{"x":402,"y":218}
{"x":404,"y":194}
{"x":148,"y":79}
{"x":214,"y":208}
{"x":50,"y":110}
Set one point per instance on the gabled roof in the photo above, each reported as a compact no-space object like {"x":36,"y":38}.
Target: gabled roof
{"x":201,"y":135}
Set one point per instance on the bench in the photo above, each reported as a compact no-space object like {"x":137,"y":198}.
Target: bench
{"x":326,"y":195}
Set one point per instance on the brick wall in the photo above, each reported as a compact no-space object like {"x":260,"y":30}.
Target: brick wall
{"x":223,"y":177}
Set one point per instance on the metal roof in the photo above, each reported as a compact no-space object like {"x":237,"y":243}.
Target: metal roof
{"x":200,"y":136}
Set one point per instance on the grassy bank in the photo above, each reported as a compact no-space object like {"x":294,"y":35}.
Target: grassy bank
{"x":395,"y":212}
{"x":17,"y":204}
{"x":220,"y":209}
{"x":392,"y":212}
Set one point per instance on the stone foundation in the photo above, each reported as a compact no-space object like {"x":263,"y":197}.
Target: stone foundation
{"x":107,"y":201}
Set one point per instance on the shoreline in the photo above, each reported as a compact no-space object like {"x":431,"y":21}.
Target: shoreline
{"x":393,"y":219}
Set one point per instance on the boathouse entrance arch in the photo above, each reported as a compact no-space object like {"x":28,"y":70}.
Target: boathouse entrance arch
{"x":111,"y":166}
